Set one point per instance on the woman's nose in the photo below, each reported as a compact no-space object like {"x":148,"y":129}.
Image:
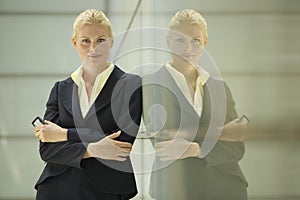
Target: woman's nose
{"x":93,"y":47}
{"x":188,"y":45}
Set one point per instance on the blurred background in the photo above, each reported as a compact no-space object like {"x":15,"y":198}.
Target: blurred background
{"x":254,"y":43}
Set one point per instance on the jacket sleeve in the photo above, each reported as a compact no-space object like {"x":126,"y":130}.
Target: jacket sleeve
{"x":226,"y":152}
{"x":86,"y":135}
{"x":68,"y":153}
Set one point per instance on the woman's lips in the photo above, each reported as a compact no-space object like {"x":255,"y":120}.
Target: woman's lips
{"x":94,"y":56}
{"x":187,"y":55}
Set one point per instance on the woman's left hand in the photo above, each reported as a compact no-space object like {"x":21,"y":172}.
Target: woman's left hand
{"x":234,"y":131}
{"x":51,"y":132}
{"x":178,"y":148}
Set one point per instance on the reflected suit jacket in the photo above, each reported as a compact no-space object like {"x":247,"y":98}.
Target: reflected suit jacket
{"x":117,"y":107}
{"x":176,"y":178}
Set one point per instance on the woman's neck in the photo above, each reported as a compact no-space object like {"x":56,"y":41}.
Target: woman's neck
{"x":189,"y":70}
{"x":90,"y":73}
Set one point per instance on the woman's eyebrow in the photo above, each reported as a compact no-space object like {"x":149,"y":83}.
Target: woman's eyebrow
{"x":83,"y":36}
{"x":102,"y":36}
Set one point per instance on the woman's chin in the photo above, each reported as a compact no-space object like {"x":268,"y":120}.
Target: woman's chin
{"x":95,"y":62}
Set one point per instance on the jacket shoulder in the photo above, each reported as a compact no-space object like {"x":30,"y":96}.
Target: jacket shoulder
{"x":66,"y":81}
{"x":125,"y":75}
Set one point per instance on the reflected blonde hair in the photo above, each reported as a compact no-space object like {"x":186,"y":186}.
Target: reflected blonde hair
{"x":189,"y":16}
{"x":92,"y":16}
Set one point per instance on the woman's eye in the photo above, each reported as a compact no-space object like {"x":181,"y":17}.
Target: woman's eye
{"x":179,"y":40}
{"x":100,"y":40}
{"x":86,"y":41}
{"x":196,"y":41}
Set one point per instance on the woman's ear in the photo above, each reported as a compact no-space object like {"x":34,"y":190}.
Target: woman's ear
{"x":204,"y":43}
{"x":74,"y":42}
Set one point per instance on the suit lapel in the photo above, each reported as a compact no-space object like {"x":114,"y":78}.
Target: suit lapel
{"x":206,"y":108}
{"x":68,"y":94}
{"x":104,"y":98}
{"x":170,"y":83}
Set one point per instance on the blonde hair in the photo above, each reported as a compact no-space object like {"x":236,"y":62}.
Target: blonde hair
{"x":189,"y":16}
{"x":92,"y":16}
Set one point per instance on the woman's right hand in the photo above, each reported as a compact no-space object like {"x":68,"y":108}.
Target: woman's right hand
{"x":109,"y":149}
{"x":51,"y":132}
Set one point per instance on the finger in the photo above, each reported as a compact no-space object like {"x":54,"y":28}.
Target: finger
{"x":114,"y":135}
{"x":159,"y":148}
{"x":120,"y":158}
{"x":36,"y":129}
{"x":164,"y":158}
{"x":124,"y":150}
{"x":44,"y":126}
{"x":119,"y":131}
{"x":159,"y":145}
{"x":162,"y":144}
{"x":236,"y":120}
{"x":124,"y":154}
{"x":161,"y":152}
{"x":122,"y":144}
{"x":38,"y":136}
{"x":127,"y":150}
{"x":48,"y":122}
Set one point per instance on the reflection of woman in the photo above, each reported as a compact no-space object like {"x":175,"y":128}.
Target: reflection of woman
{"x":185,"y":91}
{"x":85,"y":141}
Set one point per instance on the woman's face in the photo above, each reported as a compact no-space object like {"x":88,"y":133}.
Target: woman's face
{"x":186,"y":43}
{"x":93,"y":44}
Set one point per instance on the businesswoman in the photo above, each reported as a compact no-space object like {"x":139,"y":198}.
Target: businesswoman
{"x":187,"y":93}
{"x":91,"y":122}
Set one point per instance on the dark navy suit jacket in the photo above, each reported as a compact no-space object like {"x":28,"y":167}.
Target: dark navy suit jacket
{"x":118,"y":107}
